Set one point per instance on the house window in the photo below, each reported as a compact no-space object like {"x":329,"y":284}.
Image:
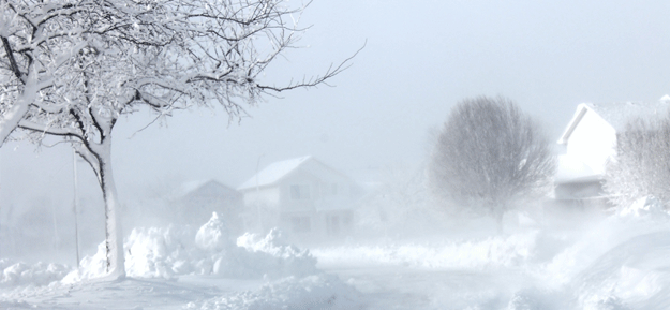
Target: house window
{"x":334,"y":189}
{"x":300,"y":191}
{"x":301,"y":224}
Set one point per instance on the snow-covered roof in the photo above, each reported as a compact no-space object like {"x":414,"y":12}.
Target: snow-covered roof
{"x":189,"y":187}
{"x":618,"y":114}
{"x":273,"y":173}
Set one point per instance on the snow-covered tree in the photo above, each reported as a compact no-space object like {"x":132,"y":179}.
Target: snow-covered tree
{"x":642,"y":163}
{"x":72,"y":68}
{"x":489,"y":156}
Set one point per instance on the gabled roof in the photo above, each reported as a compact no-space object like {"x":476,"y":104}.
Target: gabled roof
{"x":273,"y":173}
{"x":617,"y":114}
{"x":191,"y":187}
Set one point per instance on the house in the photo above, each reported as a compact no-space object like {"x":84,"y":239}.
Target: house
{"x":201,"y":198}
{"x":589,"y":143}
{"x":304,"y":197}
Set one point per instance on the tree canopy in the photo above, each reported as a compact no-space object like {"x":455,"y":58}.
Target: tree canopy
{"x":642,"y":163}
{"x":489,"y":155}
{"x":72,"y":68}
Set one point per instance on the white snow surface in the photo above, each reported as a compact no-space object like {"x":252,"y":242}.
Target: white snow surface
{"x":312,"y":292}
{"x":492,"y":252}
{"x":618,"y":263}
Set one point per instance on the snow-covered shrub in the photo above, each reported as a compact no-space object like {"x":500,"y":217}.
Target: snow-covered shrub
{"x":647,"y":206}
{"x":642,"y":164}
{"x":313,"y":292}
{"x":37,"y":274}
{"x":180,"y":250}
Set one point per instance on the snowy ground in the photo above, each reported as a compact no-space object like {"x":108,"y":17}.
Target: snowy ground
{"x":617,"y":263}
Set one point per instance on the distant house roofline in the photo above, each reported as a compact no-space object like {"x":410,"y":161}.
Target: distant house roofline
{"x":616,"y":114}
{"x":278,"y":171}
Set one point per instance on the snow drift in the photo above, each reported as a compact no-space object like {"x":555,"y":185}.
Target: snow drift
{"x":500,"y":251}
{"x":166,"y":252}
{"x":19,"y":273}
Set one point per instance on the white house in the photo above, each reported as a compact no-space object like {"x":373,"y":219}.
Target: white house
{"x":589,"y":142}
{"x":304,"y":197}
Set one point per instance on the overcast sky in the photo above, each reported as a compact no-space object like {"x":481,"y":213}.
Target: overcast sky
{"x":421,"y":58}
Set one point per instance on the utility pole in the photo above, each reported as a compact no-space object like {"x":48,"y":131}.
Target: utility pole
{"x":76,"y":228}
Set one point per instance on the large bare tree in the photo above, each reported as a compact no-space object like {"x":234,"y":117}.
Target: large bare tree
{"x":489,"y":156}
{"x":72,"y":68}
{"x":642,"y":163}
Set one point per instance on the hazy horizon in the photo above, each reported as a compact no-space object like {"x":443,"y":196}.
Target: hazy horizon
{"x":420,"y":59}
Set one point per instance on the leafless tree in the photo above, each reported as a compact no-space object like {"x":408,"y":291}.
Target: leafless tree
{"x":642,"y":163}
{"x":489,"y":156}
{"x":72,"y":68}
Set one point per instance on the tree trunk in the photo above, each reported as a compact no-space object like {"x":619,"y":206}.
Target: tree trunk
{"x":113,"y":232}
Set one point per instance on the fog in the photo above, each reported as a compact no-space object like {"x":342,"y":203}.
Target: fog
{"x":375,"y":122}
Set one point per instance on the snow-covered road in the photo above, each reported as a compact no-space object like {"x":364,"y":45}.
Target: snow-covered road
{"x":411,"y":288}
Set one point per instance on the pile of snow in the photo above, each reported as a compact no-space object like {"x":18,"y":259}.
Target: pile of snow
{"x":499,"y":251}
{"x":643,"y":217}
{"x":635,"y":274}
{"x":19,"y":273}
{"x":278,"y":257}
{"x":620,"y":263}
{"x":171,"y":251}
{"x":312,"y":292}
{"x":213,"y":236}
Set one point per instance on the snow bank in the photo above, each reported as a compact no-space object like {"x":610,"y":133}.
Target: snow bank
{"x":640,"y":219}
{"x":620,"y":263}
{"x":499,"y":251}
{"x":20,"y":273}
{"x":213,"y":236}
{"x":634,"y":274}
{"x":166,"y":252}
{"x":312,"y":292}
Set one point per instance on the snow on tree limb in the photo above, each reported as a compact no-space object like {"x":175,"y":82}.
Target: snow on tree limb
{"x":97,"y":60}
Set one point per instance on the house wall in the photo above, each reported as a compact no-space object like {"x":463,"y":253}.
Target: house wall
{"x":269,"y":196}
{"x":310,"y":202}
{"x":327,"y":207}
{"x":593,"y":142}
